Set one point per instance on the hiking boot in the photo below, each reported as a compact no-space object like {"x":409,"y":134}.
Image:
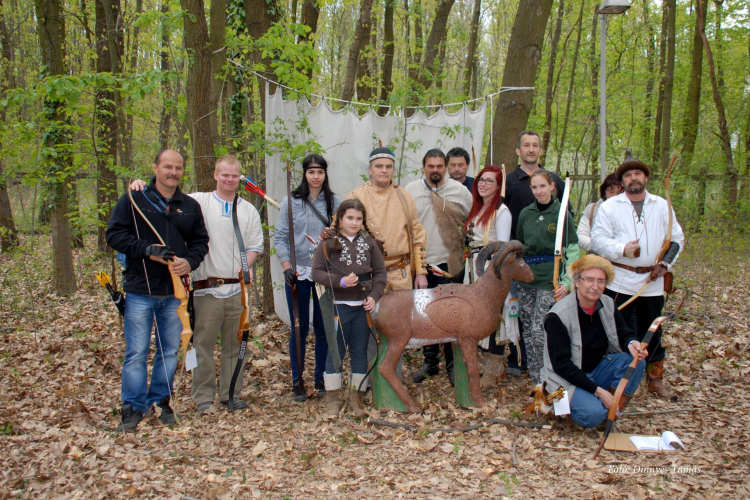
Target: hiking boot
{"x":451,"y":375}
{"x":167,"y":416}
{"x":656,"y":385}
{"x":425,"y":372}
{"x":299,"y":396}
{"x":320,"y":386}
{"x":357,"y":409}
{"x":129,"y":419}
{"x":334,"y":403}
{"x":238,"y":404}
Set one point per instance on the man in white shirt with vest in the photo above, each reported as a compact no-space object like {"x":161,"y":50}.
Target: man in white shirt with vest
{"x":631,"y":230}
{"x":588,"y":346}
{"x":442,"y":204}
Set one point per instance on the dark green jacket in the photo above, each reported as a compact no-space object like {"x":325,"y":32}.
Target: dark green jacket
{"x":537,"y":230}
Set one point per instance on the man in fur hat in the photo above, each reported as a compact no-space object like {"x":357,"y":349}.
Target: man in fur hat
{"x":579,"y":332}
{"x":630,"y":230}
{"x":442,"y":204}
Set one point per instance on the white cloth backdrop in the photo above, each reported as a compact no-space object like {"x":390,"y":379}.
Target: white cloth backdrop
{"x":348,"y":139}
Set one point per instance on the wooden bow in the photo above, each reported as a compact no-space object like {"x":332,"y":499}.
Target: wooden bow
{"x":667,"y":237}
{"x":179,"y":289}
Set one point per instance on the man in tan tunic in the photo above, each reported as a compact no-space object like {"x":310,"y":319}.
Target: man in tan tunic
{"x":388,"y":222}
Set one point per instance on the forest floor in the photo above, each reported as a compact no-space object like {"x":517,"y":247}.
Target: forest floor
{"x":60,"y":362}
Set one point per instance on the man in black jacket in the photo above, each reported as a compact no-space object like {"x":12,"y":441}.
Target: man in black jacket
{"x":148,"y":283}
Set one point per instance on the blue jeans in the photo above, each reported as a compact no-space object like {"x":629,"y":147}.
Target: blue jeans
{"x":585,"y":408}
{"x":304,"y":287}
{"x":354,"y":333}
{"x":140,"y":312}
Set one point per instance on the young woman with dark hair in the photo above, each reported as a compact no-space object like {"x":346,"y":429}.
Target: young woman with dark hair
{"x":313,"y":202}
{"x":488,"y":220}
{"x":537,"y":228}
{"x":351,"y":264}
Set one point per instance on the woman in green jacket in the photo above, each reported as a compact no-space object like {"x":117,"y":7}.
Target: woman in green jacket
{"x":537,"y":228}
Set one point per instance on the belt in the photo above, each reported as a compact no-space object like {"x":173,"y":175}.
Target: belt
{"x":403,"y":262}
{"x":538,"y":259}
{"x":213,"y":282}
{"x":636,"y":270}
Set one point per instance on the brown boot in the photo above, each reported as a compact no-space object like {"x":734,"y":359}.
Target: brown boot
{"x":655,"y":372}
{"x":357,"y":409}
{"x":493,"y":371}
{"x":334,"y":403}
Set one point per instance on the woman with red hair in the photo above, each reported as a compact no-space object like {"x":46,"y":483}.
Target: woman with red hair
{"x":488,"y":220}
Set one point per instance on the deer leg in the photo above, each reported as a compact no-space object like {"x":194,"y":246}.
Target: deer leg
{"x":468,"y":346}
{"x":388,"y":370}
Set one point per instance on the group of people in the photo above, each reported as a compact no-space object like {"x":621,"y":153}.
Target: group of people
{"x":382,"y":237}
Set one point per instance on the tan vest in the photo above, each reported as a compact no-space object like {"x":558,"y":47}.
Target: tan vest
{"x":567,"y":311}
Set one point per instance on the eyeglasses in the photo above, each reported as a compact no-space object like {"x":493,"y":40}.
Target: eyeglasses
{"x":482,"y":180}
{"x":591,"y":281}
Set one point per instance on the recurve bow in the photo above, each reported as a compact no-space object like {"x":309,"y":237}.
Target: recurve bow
{"x":294,"y":313}
{"x":561,"y":230}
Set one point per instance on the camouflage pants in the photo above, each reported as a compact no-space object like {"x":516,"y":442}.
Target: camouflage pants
{"x":534,"y":305}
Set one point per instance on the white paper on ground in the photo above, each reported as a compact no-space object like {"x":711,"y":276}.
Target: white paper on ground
{"x":191,"y":360}
{"x":562,"y":407}
{"x":663,"y":442}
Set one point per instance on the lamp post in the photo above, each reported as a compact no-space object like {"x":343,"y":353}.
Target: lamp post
{"x":607,"y":7}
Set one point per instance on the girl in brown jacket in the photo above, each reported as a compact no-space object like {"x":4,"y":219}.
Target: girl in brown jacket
{"x":351,"y":264}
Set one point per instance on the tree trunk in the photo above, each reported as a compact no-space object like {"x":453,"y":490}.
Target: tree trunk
{"x":364,"y":84}
{"x":201,"y":117}
{"x":726,"y":144}
{"x":647,"y":112}
{"x":107,"y":128}
{"x":388,"y":53}
{"x":218,"y":59}
{"x":51,"y":32}
{"x":165,"y":123}
{"x":524,"y":53}
{"x":473,"y":42}
{"x":692,"y":111}
{"x":310,"y":15}
{"x":361,"y":36}
{"x":666,"y":126}
{"x":438,"y":33}
{"x":662,"y":70}
{"x":549,"y":95}
{"x":561,"y":148}
{"x":8,"y":234}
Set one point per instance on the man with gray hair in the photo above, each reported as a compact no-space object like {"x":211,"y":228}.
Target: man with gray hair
{"x":588,"y":346}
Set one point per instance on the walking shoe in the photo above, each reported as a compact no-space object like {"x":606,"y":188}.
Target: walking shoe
{"x":238,"y":404}
{"x":320,"y":386}
{"x":357,"y":409}
{"x":167,"y":416}
{"x":334,"y":403}
{"x":299,"y":396}
{"x":451,"y":376}
{"x":656,"y":385}
{"x":129,"y":419}
{"x":205,"y":406}
{"x":425,"y":372}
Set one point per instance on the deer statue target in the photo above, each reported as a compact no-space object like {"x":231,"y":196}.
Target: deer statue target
{"x":457,"y":313}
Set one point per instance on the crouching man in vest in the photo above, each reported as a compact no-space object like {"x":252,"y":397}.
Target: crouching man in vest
{"x":588,"y":346}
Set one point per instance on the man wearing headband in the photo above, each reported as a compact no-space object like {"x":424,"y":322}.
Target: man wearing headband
{"x":629,"y":230}
{"x":588,"y":346}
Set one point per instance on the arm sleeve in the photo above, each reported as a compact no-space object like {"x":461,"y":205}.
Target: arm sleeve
{"x":519,"y":226}
{"x":320,"y":273}
{"x":379,"y":274}
{"x":572,"y":254}
{"x":624,"y":333}
{"x":281,"y":235}
{"x":120,"y":233}
{"x":420,"y":237}
{"x":603,"y":240}
{"x":253,"y":232}
{"x":584,"y":229}
{"x":558,"y":349}
{"x":502,"y":225}
{"x":197,"y":242}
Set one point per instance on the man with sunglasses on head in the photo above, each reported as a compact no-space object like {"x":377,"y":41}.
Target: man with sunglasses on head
{"x":588,"y":346}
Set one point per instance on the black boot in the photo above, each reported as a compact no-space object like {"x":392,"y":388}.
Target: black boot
{"x":431,"y":363}
{"x":129,"y":419}
{"x":449,"y":363}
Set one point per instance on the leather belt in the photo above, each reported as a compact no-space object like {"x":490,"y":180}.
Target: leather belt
{"x":636,"y":270}
{"x":213,"y":282}
{"x":402,"y":263}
